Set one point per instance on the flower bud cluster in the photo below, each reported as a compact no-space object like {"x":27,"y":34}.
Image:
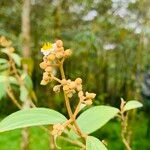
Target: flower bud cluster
{"x":6,"y":43}
{"x":57,"y":129}
{"x":71,"y":87}
{"x":87,"y":98}
{"x":53,"y":53}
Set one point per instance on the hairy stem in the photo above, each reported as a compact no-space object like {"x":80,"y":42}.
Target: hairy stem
{"x":124,"y":131}
{"x":71,"y":115}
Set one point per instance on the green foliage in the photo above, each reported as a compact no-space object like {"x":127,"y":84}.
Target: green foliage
{"x":132,"y":105}
{"x":24,"y":93}
{"x":31,"y":117}
{"x":3,"y":86}
{"x":93,"y":143}
{"x":17,"y":59}
{"x":95,"y":117}
{"x":27,"y":81}
{"x":3,"y":61}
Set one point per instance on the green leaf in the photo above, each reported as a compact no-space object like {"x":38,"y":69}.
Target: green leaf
{"x":16,"y":58}
{"x":2,"y":90}
{"x":31,"y":117}
{"x":132,"y":105}
{"x":95,"y":117}
{"x":4,"y":67}
{"x":93,"y":143}
{"x":12,"y":80}
{"x":23,"y":93}
{"x":3,"y":85}
{"x":3,"y":61}
{"x":27,"y":81}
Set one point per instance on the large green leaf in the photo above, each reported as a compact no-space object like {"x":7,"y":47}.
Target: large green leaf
{"x":31,"y":117}
{"x":93,"y":143}
{"x":132,"y":105}
{"x":95,"y":117}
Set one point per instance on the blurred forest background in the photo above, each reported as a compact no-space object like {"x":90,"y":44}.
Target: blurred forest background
{"x":110,"y":40}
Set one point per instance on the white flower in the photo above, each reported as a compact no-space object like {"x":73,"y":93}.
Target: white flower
{"x":48,"y":48}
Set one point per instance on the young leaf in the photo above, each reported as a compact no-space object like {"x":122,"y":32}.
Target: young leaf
{"x":132,"y":105}
{"x":27,"y":81}
{"x":3,"y":85}
{"x":31,"y":117}
{"x":95,"y":117}
{"x":16,"y":58}
{"x":2,"y":90}
{"x":93,"y":143}
{"x":23,"y":93}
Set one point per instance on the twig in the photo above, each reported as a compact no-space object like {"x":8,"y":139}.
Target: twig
{"x":12,"y":98}
{"x":68,"y":104}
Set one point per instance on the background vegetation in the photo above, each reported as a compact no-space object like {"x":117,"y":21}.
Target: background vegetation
{"x":110,"y":43}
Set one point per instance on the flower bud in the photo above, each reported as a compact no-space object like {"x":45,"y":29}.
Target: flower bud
{"x":46,"y":77}
{"x":90,"y":95}
{"x":51,"y":57}
{"x":57,"y":129}
{"x":11,"y":49}
{"x":88,"y":102}
{"x":72,"y":85}
{"x":56,"y":88}
{"x":59,"y":55}
{"x":44,"y":82}
{"x":67,"y":53}
{"x":65,"y":87}
{"x":63,"y":81}
{"x":60,"y":49}
{"x":79,"y":87}
{"x":80,"y":94}
{"x":69,"y":95}
{"x":59,"y":43}
{"x":78,"y":81}
{"x":48,"y":69}
{"x":43,"y":65}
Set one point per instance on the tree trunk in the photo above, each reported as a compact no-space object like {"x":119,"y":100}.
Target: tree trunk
{"x":26,"y":54}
